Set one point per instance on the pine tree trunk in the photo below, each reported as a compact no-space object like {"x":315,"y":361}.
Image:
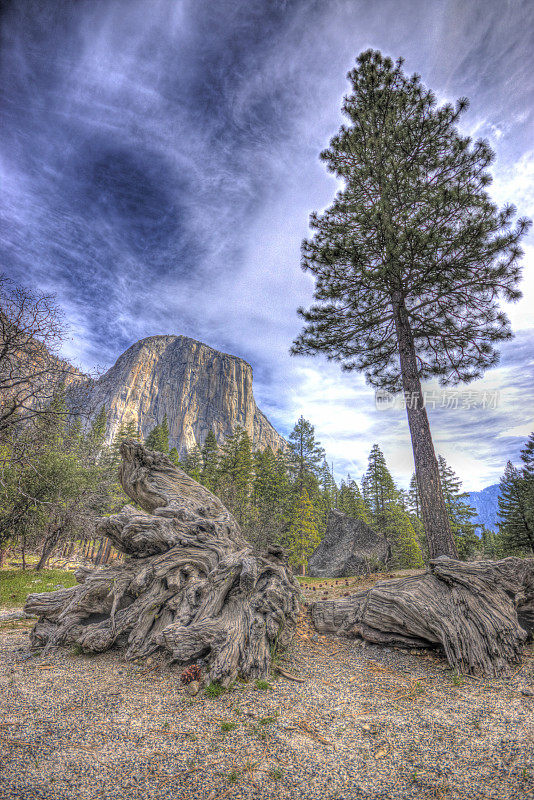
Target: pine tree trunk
{"x":433,"y":510}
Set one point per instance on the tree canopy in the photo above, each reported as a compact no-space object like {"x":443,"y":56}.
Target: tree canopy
{"x":411,"y":258}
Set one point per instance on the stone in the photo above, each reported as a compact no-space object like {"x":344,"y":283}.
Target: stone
{"x":349,"y":547}
{"x":192,"y":688}
{"x":196,"y":387}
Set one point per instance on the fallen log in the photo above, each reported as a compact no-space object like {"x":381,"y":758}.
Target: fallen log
{"x":191,"y":585}
{"x":480,"y":613}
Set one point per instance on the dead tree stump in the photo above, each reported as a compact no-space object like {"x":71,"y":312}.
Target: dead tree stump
{"x":191,"y":584}
{"x":480,"y":613}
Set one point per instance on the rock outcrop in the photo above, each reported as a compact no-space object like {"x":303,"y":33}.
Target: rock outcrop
{"x":349,"y":547}
{"x":197,"y":387}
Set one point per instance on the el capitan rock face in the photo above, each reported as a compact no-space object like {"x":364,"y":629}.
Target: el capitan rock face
{"x":197,"y":387}
{"x":348,"y":546}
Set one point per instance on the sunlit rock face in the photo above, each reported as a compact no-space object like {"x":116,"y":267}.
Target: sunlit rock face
{"x":197,"y":387}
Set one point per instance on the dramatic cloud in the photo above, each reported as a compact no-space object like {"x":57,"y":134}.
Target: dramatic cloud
{"x":159,"y":161}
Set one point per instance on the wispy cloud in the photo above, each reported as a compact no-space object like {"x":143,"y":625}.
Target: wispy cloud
{"x":160,"y":160}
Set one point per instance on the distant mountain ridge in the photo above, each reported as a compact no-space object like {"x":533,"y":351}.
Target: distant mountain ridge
{"x":196,"y":387}
{"x":486,"y":504}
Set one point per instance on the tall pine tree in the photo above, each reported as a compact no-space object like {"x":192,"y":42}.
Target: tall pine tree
{"x":515,"y":511}
{"x":306,"y":454}
{"x":411,"y":257}
{"x":351,"y":502}
{"x":303,"y":535}
{"x":210,"y":461}
{"x":158,"y":438}
{"x":378,"y":486}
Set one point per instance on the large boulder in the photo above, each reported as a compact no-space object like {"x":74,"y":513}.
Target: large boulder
{"x":349,"y":548}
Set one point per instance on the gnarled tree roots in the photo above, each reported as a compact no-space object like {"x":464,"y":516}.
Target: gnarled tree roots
{"x":480,"y":613}
{"x":191,"y":586}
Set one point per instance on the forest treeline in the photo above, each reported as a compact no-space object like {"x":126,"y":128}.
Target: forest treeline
{"x":49,"y":502}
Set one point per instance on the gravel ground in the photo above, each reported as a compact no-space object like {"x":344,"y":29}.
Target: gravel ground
{"x":367,"y":722}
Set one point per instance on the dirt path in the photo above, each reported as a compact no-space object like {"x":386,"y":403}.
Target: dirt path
{"x":367,"y":722}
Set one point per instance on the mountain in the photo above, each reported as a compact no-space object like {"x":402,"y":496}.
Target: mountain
{"x":485,"y":504}
{"x":197,"y":387}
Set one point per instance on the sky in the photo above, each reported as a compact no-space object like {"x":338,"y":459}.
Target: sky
{"x":159,"y":163}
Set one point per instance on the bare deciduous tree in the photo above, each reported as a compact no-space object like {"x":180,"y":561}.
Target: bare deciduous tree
{"x":31,"y":372}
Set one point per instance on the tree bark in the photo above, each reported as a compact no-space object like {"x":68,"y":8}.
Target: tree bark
{"x":191,"y":586}
{"x":480,"y":613}
{"x":433,"y":509}
{"x":50,"y":542}
{"x":98,"y":559}
{"x":106,"y":552}
{"x":4,"y":550}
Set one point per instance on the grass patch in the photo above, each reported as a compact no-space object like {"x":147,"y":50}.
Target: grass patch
{"x":228,"y":726}
{"x":214,"y":689}
{"x":233,"y":775}
{"x":457,"y":679}
{"x":277,"y":774}
{"x":16,"y":584}
{"x":262,"y":686}
{"x":15,"y":625}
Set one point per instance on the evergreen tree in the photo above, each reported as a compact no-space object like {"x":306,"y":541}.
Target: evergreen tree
{"x":515,"y":512}
{"x":175,"y":457}
{"x":127,"y":430}
{"x":527,"y":457}
{"x":236,"y":475}
{"x":492,"y":543}
{"x":328,"y":486}
{"x":411,"y":258}
{"x":351,"y":502}
{"x":210,"y":461}
{"x":460,"y":513}
{"x":98,"y":428}
{"x":400,"y":533}
{"x":378,"y":486}
{"x":158,"y":438}
{"x":303,"y":535}
{"x":306,"y":454}
{"x":193,"y":463}
{"x":270,"y":498}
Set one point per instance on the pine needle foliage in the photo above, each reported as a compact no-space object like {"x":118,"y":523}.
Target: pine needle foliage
{"x":303,"y":535}
{"x":516,"y":503}
{"x":412,"y":257}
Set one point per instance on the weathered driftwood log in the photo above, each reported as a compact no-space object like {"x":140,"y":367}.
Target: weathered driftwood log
{"x":191,"y":586}
{"x":480,"y":613}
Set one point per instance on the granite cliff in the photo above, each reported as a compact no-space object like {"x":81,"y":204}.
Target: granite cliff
{"x":197,"y":387}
